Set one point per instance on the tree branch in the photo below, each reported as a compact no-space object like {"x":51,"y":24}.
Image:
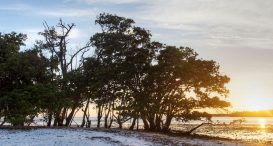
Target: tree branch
{"x":81,"y":49}
{"x":198,"y":126}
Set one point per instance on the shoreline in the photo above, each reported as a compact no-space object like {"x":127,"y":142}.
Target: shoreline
{"x":156,"y":138}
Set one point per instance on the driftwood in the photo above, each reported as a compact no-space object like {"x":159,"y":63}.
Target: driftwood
{"x":198,"y":126}
{"x":187,"y":133}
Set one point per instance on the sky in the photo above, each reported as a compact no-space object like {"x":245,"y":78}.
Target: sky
{"x":237,"y":34}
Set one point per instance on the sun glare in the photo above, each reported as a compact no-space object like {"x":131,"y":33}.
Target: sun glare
{"x":255,"y":99}
{"x":262,"y":123}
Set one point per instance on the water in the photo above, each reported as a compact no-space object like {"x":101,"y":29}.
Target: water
{"x":258,"y":129}
{"x":248,"y":120}
{"x":215,"y":120}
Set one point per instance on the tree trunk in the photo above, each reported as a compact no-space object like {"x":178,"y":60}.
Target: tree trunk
{"x":49,"y":119}
{"x":83,"y":122}
{"x":57,"y":117}
{"x":111,"y":119}
{"x":151,"y":120}
{"x":105,"y":121}
{"x":133,"y":124}
{"x":106,"y":117}
{"x":145,"y":122}
{"x":99,"y":115}
{"x":71,"y":114}
{"x":62,"y":117}
{"x":158,"y":123}
{"x":166,"y":126}
{"x":119,"y":123}
{"x":88,"y":123}
{"x":137,"y":123}
{"x":84,"y":112}
{"x":55,"y":121}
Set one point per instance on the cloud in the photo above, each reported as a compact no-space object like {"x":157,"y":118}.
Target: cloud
{"x":64,"y":12}
{"x":15,"y":7}
{"x":110,"y":1}
{"x":237,"y":34}
{"x":58,"y":11}
{"x":75,"y":33}
{"x":212,"y":21}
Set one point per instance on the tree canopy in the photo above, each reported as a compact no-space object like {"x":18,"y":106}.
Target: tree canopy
{"x":130,"y":76}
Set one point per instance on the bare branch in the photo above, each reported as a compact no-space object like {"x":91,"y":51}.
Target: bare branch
{"x":77,"y":52}
{"x":82,"y":58}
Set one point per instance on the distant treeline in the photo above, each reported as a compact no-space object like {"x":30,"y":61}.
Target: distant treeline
{"x":128,"y":77}
{"x":263,"y":113}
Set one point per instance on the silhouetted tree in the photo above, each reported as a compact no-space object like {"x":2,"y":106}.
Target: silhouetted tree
{"x":56,"y":44}
{"x":179,"y":85}
{"x":128,"y":77}
{"x":153,"y":81}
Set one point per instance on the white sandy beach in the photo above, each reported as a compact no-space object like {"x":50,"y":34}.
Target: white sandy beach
{"x":84,"y":137}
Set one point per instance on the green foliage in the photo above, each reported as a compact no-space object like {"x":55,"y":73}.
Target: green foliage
{"x":129,"y":76}
{"x":24,"y":81}
{"x":10,"y":44}
{"x":150,"y":80}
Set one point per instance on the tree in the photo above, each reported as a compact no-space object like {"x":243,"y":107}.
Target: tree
{"x":24,"y":76}
{"x":128,"y":77}
{"x":56,"y":44}
{"x":153,"y":81}
{"x":124,"y":52}
{"x":9,"y":50}
{"x":180,"y":85}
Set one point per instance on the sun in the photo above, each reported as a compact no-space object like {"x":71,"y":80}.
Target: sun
{"x":262,"y":123}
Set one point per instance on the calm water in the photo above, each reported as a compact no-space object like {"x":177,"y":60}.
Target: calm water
{"x":258,"y":129}
{"x":248,"y":120}
{"x":216,"y":120}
